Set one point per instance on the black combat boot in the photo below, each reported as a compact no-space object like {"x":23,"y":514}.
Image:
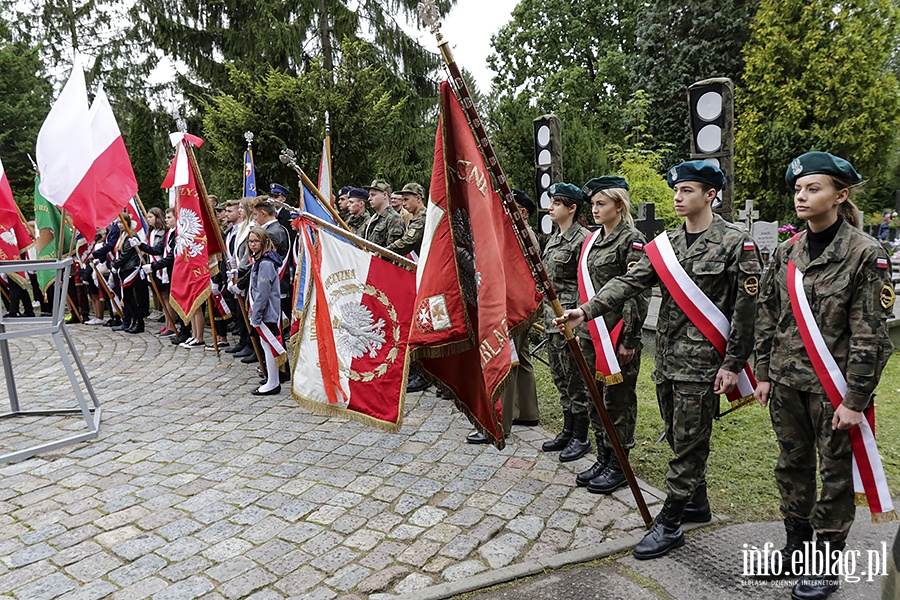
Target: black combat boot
{"x":697,"y":509}
{"x":582,"y":479}
{"x":666,"y":533}
{"x":561,"y":440}
{"x":579,"y":445}
{"x":611,"y":479}
{"x":796,"y":535}
{"x":816,"y":586}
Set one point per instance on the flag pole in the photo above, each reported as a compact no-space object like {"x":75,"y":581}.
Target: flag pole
{"x":170,"y":321}
{"x":289,"y":158}
{"x":328,"y":152}
{"x":429,"y":15}
{"x":362,"y":242}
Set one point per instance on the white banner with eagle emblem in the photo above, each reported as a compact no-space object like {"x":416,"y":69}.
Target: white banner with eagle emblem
{"x":350,"y":349}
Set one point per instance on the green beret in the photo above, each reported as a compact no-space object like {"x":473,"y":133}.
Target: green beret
{"x":566,"y":190}
{"x":814,"y":163}
{"x":696,"y":170}
{"x":603,"y":183}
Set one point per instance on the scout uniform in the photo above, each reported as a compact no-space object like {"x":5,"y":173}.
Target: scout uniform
{"x":846,"y":277}
{"x":411,"y":241}
{"x":609,"y":257}
{"x":724,"y":264}
{"x":560,"y":258}
{"x":386,"y":227}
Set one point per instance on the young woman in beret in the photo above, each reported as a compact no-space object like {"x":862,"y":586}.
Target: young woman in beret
{"x":832,"y":281}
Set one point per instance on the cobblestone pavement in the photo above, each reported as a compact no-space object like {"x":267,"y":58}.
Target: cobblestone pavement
{"x":196,"y":489}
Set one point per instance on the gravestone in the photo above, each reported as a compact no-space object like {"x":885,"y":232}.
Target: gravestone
{"x":765,"y":234}
{"x":647,"y":223}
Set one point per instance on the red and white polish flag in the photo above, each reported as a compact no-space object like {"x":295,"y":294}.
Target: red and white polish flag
{"x":83,"y":162}
{"x":350,"y":349}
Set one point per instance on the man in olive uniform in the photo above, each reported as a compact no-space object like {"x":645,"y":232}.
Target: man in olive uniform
{"x":356,"y":210}
{"x":385,"y":226}
{"x":721,"y":259}
{"x":414,"y":203}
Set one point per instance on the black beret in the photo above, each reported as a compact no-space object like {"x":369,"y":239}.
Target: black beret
{"x":524,"y":200}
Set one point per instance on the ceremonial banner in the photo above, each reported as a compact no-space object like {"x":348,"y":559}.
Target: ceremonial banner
{"x":190,"y":285}
{"x":350,"y":350}
{"x":48,"y":220}
{"x":474,"y":286}
{"x":249,"y":174}
{"x":14,"y":236}
{"x":82,"y":159}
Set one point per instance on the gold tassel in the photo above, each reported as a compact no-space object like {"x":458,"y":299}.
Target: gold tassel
{"x":859,"y":499}
{"x":742,"y":402}
{"x":611,"y":379}
{"x":885,"y":517}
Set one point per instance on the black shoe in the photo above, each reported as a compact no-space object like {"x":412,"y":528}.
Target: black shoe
{"x":611,"y":479}
{"x":183,"y":336}
{"x":247,"y":351}
{"x":138,"y":327}
{"x":121,"y":327}
{"x":797,"y":534}
{"x":235,"y":349}
{"x":579,"y":445}
{"x":249,"y":360}
{"x":476,"y":437}
{"x":114,"y":322}
{"x":564,"y":436}
{"x":816,"y":586}
{"x":416,"y":383}
{"x":666,"y":533}
{"x":583,"y":478}
{"x":273,"y":392}
{"x":697,"y":509}
{"x":526,"y":422}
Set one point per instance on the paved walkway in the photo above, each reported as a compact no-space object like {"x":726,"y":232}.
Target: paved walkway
{"x":195,"y":489}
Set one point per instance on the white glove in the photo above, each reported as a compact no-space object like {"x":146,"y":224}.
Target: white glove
{"x":231,"y":274}
{"x":147,"y":269}
{"x":216,"y":290}
{"x":234,"y":289}
{"x":102,"y":269}
{"x":134,"y":242}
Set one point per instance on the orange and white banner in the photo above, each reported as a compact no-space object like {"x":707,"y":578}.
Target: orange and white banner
{"x":607,"y":365}
{"x":868,"y":473}
{"x":702,"y":312}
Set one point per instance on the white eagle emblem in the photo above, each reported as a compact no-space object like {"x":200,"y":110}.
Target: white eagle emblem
{"x":9,"y":236}
{"x":357,"y":331}
{"x":189,"y":228}
{"x":796,"y":166}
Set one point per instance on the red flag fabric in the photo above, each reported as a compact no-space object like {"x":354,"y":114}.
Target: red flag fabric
{"x":190,"y":285}
{"x":353,"y":326}
{"x":14,"y":237}
{"x":475,"y":286}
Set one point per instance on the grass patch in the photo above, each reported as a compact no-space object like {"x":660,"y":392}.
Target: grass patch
{"x":744,"y":450}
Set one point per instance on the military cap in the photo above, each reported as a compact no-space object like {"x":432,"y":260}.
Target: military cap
{"x":696,"y":170}
{"x":278,"y":189}
{"x":603,"y":183}
{"x":815,"y":163}
{"x":566,"y":190}
{"x":413,"y":188}
{"x":524,"y":200}
{"x":358,"y":193}
{"x":344,"y":190}
{"x":379,"y":185}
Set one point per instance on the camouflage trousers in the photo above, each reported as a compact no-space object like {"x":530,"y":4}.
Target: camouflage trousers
{"x":620,"y":399}
{"x":687,"y":409}
{"x":573,"y":395}
{"x":802,"y":424}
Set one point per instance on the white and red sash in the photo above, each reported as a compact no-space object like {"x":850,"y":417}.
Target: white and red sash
{"x":273,"y":342}
{"x":869,"y":481}
{"x":607,"y":364}
{"x":702,"y":312}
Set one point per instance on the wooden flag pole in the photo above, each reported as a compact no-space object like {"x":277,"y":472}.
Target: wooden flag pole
{"x":253,"y":339}
{"x":212,"y":323}
{"x":429,"y":16}
{"x":362,"y":242}
{"x":288,"y":158}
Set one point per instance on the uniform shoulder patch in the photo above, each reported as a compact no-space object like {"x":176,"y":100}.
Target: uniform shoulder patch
{"x":751,"y":285}
{"x":748,"y":245}
{"x":887,"y":296}
{"x":637,"y":246}
{"x":881,"y":262}
{"x":631,"y":264}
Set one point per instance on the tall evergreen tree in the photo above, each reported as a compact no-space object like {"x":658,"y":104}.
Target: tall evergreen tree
{"x":681,"y":43}
{"x":817,"y":77}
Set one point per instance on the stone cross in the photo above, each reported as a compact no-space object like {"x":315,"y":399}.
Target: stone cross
{"x":748,"y":215}
{"x":647,"y":223}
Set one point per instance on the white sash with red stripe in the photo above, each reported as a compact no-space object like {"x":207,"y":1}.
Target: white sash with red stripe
{"x":607,"y":365}
{"x":869,"y":481}
{"x":702,"y":312}
{"x":273,"y":342}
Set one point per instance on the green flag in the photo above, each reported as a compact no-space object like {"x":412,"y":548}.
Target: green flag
{"x":48,"y":218}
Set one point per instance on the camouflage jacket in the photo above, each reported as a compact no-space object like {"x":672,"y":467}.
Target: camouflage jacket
{"x":851,"y":297}
{"x":727,"y":271}
{"x":560,"y":258}
{"x":383,"y":229}
{"x":613,"y":256}
{"x":412,"y":239}
{"x":354,"y":222}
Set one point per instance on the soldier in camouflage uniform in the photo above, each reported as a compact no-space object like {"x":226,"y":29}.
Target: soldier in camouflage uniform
{"x":414,"y":204}
{"x":561,"y":262}
{"x":690,"y":374}
{"x":358,"y":216}
{"x":847,"y":279}
{"x":619,"y":247}
{"x":385,"y":226}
